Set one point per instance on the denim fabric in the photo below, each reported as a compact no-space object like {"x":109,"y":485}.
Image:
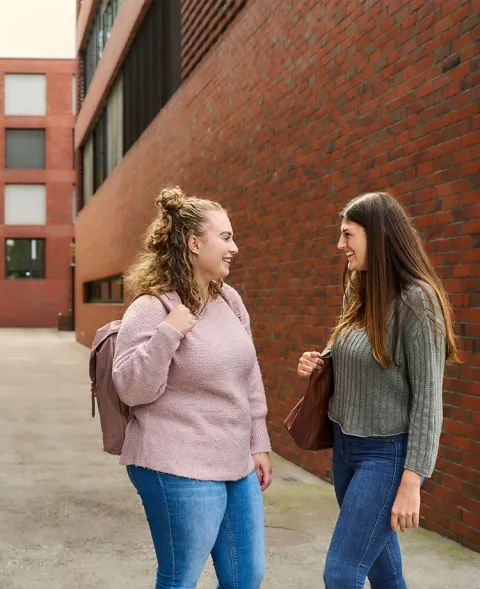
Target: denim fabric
{"x":366,"y":474}
{"x":190,"y":519}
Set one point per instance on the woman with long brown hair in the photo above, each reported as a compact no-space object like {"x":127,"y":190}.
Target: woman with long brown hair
{"x":197,"y":447}
{"x":388,"y":350}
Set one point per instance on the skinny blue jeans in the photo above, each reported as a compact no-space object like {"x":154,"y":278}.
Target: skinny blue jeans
{"x":366,"y":475}
{"x":190,"y":519}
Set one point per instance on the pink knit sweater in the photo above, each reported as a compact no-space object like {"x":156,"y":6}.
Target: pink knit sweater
{"x":199,"y":402}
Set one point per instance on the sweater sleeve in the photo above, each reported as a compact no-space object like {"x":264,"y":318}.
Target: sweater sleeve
{"x":425,"y":355}
{"x":259,"y":439}
{"x":144,"y":350}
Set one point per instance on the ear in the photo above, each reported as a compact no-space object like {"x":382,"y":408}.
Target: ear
{"x":194,"y":244}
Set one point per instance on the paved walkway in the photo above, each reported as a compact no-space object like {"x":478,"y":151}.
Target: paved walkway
{"x":71,"y":520}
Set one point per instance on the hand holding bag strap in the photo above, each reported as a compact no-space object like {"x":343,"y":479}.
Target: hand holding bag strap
{"x":308,"y":422}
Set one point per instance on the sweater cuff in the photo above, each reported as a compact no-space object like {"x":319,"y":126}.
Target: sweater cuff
{"x":173,"y":332}
{"x":424,"y":470}
{"x":166,"y":339}
{"x":259,"y":440}
{"x":424,"y":466}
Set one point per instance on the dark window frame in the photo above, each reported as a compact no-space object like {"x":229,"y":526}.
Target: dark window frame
{"x":32,"y":268}
{"x":95,"y":291}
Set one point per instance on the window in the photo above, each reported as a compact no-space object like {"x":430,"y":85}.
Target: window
{"x":150,"y":75}
{"x":97,"y":38}
{"x":25,"y":204}
{"x":25,"y":95}
{"x":87,"y":167}
{"x":25,"y":148}
{"x":74,"y":159}
{"x":115,"y":7}
{"x":74,"y":94}
{"x":152,"y":68}
{"x":25,"y":258}
{"x":103,"y":150}
{"x":106,"y":290}
{"x":89,"y":62}
{"x":114,"y":122}
{"x":108,"y":17}
{"x":100,"y":152}
{"x":74,"y":205}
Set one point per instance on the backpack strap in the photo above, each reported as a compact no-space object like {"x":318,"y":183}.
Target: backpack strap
{"x":171,"y":300}
{"x":231,"y":304}
{"x":166,"y":301}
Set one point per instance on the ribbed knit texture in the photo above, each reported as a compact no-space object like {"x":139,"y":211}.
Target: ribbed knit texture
{"x":199,"y":400}
{"x":369,"y":400}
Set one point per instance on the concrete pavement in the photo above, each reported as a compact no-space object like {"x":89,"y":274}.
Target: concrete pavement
{"x":71,"y":520}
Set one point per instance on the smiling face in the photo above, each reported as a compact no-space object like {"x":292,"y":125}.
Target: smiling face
{"x":353,"y":242}
{"x":213,"y":251}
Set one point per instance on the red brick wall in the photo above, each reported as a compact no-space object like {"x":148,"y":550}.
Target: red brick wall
{"x":203,"y":23}
{"x":37,"y":303}
{"x":298,"y":108}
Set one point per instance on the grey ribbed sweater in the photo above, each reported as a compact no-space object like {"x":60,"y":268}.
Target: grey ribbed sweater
{"x":369,"y":400}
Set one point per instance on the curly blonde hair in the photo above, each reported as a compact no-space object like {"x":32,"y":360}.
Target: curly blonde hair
{"x":165,"y":264}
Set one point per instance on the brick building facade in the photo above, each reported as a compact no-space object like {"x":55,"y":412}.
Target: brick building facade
{"x":283,"y":111}
{"x":37,"y":191}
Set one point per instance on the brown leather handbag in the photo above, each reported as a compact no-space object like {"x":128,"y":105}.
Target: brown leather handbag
{"x":308,"y":422}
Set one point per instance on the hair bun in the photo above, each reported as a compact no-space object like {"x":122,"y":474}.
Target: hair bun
{"x":171,"y":199}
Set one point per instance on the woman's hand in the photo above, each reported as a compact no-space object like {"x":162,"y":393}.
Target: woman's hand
{"x":181,"y":319}
{"x":406,"y":509}
{"x":308,"y":363}
{"x":263,"y":468}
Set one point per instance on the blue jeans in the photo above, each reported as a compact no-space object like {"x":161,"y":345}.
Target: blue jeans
{"x":366,"y":475}
{"x":190,"y":519}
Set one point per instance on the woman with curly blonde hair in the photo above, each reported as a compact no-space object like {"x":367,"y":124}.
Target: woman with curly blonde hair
{"x":196,"y":449}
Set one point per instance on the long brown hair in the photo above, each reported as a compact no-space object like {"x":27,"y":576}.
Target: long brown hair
{"x":395,"y":259}
{"x":165,"y":263}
